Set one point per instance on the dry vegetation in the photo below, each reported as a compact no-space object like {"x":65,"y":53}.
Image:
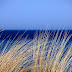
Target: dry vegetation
{"x":37,"y":55}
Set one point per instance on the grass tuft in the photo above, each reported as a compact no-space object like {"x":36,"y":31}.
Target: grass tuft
{"x":41,"y":54}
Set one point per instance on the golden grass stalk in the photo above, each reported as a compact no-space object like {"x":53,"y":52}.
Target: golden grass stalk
{"x":38,"y":55}
{"x":1,"y":30}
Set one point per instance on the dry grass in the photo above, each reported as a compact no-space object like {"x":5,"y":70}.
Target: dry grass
{"x":1,"y":30}
{"x":37,"y":55}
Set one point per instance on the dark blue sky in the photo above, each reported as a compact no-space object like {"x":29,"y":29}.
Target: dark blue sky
{"x":35,"y":14}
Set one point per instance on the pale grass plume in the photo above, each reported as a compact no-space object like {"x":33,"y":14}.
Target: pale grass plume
{"x":42,"y":54}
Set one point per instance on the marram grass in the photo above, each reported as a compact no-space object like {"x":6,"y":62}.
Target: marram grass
{"x":38,"y":55}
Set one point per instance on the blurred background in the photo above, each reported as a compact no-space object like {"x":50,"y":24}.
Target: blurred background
{"x":35,"y":14}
